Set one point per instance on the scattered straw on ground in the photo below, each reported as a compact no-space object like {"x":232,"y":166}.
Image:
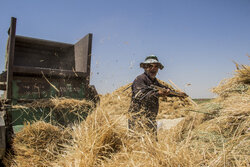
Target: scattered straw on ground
{"x":38,"y":144}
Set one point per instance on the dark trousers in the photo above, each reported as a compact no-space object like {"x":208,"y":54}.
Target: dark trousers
{"x":143,"y":118}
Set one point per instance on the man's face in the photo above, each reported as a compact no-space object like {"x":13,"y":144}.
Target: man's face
{"x":152,"y":69}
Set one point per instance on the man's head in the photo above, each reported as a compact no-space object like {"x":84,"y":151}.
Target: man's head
{"x":151,"y":66}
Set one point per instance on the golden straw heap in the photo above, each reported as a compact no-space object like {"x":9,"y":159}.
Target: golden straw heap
{"x":217,"y":136}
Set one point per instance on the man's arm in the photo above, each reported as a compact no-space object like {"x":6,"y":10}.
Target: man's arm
{"x":165,"y":91}
{"x":141,"y":90}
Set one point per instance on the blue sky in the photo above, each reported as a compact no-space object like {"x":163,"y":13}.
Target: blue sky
{"x":196,"y":40}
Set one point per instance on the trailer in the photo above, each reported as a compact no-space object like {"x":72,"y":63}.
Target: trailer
{"x":42,"y":69}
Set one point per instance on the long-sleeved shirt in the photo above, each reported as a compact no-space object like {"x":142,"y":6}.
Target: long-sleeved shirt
{"x":145,"y":95}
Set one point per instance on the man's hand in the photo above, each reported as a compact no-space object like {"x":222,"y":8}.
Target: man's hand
{"x":164,"y":92}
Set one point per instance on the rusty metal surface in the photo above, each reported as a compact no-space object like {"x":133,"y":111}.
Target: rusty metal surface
{"x":2,"y":85}
{"x":37,"y":71}
{"x":39,"y":88}
{"x":3,"y":79}
{"x":3,"y":76}
{"x":82,"y":51}
{"x":31,"y":52}
{"x":10,"y":57}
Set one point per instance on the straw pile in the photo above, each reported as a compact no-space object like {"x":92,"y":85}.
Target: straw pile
{"x":94,"y":140}
{"x":218,"y":138}
{"x":119,"y":102}
{"x":71,"y":105}
{"x":222,"y":138}
{"x":239,"y":84}
{"x":102,"y":141}
{"x":38,"y":144}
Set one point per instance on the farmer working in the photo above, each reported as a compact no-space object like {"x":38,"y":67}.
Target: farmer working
{"x":145,"y":97}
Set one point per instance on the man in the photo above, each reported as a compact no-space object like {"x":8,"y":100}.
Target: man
{"x":145,"y":97}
